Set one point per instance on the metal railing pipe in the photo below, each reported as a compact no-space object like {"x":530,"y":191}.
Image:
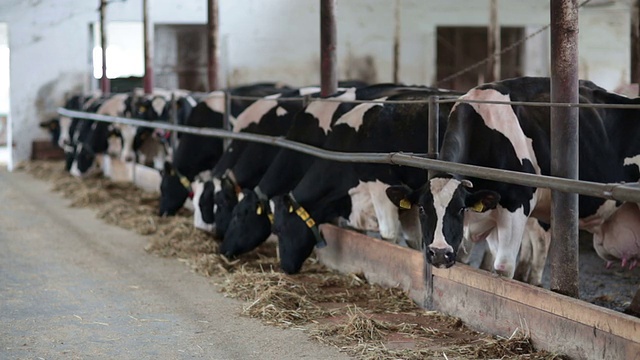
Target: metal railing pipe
{"x":613,"y":191}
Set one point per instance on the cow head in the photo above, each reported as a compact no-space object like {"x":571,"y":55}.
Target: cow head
{"x":203,"y":218}
{"x":295,"y":238}
{"x":53,"y":127}
{"x":174,"y":190}
{"x":249,"y":227}
{"x":225,"y":199}
{"x":83,"y":160}
{"x":442,"y":203}
{"x":199,"y":186}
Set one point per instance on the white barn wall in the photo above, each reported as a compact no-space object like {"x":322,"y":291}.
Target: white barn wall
{"x":279,"y":40}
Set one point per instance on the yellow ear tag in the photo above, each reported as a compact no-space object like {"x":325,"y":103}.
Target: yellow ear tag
{"x":405,"y":204}
{"x":478,"y":207}
{"x":259,"y":210}
{"x":142,"y":109}
{"x":290,"y":209}
{"x":185,"y":182}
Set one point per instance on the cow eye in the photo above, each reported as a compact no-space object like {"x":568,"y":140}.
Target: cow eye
{"x":421,"y":210}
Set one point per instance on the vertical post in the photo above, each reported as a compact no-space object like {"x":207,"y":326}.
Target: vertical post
{"x":434,"y":127}
{"x":328,"y":37}
{"x":563,"y":252}
{"x":493,"y":43}
{"x":174,"y":120}
{"x":213,"y":45}
{"x":105,"y":85}
{"x":396,"y":44}
{"x":226,"y":124}
{"x":148,"y":48}
{"x":433,"y":149}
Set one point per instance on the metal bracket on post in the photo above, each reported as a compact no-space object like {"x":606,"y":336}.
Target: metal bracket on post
{"x":226,"y":124}
{"x":434,"y":128}
{"x":174,"y":121}
{"x":428,"y":285}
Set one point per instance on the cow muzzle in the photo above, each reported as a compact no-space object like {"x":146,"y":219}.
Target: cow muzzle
{"x":441,"y":258}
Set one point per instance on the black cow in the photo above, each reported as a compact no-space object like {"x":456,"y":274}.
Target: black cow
{"x":244,"y":163}
{"x":329,"y":189}
{"x":252,"y":217}
{"x":517,"y":138}
{"x":196,"y":153}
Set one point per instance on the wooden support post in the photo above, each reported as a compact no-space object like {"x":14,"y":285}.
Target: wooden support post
{"x":396,"y":44}
{"x":635,"y":44}
{"x":148,"y":48}
{"x":563,"y":253}
{"x":213,"y":58}
{"x":105,"y":85}
{"x":328,"y":38}
{"x":493,"y":43}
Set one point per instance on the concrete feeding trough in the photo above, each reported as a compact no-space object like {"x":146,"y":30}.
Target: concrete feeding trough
{"x":487,"y":302}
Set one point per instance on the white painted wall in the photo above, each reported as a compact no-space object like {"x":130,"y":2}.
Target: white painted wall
{"x":279,"y":40}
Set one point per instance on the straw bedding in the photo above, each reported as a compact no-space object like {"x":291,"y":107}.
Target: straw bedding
{"x":345,"y":311}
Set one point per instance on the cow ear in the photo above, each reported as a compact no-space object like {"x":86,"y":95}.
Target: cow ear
{"x":401,"y":196}
{"x":483,"y":200}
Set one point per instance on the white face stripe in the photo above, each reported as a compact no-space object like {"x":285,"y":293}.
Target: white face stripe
{"x":503,"y":119}
{"x":158,"y":105}
{"x":217,"y":185}
{"x":324,"y":110}
{"x":442,"y":191}
{"x":355,"y":117}
{"x":65,"y":124}
{"x":198,"y":188}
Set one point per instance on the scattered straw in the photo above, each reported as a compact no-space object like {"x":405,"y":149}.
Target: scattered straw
{"x":363,"y":320}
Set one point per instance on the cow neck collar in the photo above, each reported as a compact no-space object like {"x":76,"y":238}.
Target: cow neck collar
{"x":185,"y":182}
{"x":229,"y":175}
{"x":303,"y":214}
{"x":264,"y":203}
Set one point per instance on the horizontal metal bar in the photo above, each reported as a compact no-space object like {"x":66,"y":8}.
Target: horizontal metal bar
{"x":546,"y":104}
{"x":451,"y":99}
{"x":614,"y":191}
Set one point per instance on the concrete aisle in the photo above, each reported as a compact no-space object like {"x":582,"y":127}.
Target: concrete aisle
{"x":73,"y":287}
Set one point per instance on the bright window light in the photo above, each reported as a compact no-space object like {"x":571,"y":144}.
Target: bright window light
{"x":125,"y":52}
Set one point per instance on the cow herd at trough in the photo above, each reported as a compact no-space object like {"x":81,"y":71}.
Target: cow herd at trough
{"x":246,"y":191}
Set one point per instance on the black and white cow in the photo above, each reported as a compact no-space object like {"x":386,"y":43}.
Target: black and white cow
{"x":252,"y":217}
{"x":356,"y":192}
{"x":195,"y":153}
{"x":517,"y":138}
{"x":63,"y":129}
{"x":95,"y":138}
{"x":244,"y":163}
{"x":144,"y":144}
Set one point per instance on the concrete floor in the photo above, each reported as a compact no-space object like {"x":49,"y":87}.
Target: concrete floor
{"x":73,"y":287}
